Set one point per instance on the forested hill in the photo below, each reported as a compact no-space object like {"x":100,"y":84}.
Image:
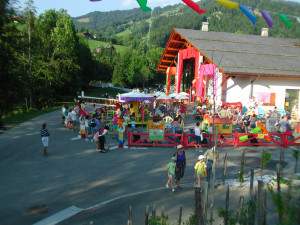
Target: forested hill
{"x":135,"y":22}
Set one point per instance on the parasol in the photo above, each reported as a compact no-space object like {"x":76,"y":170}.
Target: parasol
{"x":181,"y":97}
{"x":184,"y":93}
{"x":134,"y":96}
{"x":163,"y":97}
{"x":173,"y":95}
{"x":158,"y":93}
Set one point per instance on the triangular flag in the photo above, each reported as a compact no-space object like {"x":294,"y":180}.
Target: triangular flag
{"x":267,"y":17}
{"x":285,"y":20}
{"x":194,"y":6}
{"x":95,"y":0}
{"x":143,"y":5}
{"x":228,"y":4}
{"x":248,"y":13}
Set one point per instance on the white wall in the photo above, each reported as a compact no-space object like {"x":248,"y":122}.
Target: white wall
{"x":238,"y":89}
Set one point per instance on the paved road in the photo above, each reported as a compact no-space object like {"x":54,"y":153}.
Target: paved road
{"x":75,"y":174}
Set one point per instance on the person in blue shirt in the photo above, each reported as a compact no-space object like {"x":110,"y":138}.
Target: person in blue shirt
{"x":180,"y":164}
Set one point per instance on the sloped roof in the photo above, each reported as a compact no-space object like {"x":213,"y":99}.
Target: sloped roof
{"x":238,"y":54}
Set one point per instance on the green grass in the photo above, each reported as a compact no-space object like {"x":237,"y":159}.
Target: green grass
{"x":95,"y":44}
{"x":99,"y":91}
{"x":19,"y":116}
{"x":123,"y":33}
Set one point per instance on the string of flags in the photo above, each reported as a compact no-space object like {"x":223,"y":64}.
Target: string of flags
{"x":230,"y":5}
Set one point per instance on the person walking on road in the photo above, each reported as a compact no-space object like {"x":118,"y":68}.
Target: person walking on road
{"x":180,"y":164}
{"x":198,"y":137}
{"x":200,"y":170}
{"x":209,"y":155}
{"x":45,"y":140}
{"x":171,"y":173}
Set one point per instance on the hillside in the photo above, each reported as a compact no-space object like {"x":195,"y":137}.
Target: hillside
{"x":121,"y":25}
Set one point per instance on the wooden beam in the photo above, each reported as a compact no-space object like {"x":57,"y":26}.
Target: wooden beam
{"x":180,"y":42}
{"x":163,"y":66}
{"x":169,"y":55}
{"x":166,"y":60}
{"x":173,"y":49}
{"x":224,"y":81}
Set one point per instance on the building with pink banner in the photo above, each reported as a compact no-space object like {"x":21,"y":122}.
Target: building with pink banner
{"x":252,"y":69}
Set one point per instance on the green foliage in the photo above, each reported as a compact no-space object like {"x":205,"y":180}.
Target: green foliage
{"x":287,"y":204}
{"x":158,"y":220}
{"x":266,"y":158}
{"x":247,"y":212}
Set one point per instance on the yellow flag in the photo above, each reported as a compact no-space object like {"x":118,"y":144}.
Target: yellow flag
{"x":228,"y":4}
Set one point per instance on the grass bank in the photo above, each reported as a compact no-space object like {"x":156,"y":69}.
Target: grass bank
{"x":19,"y":115}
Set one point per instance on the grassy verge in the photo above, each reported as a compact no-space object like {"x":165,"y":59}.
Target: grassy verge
{"x":19,"y":116}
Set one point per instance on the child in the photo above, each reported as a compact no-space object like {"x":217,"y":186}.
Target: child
{"x":45,"y":134}
{"x":200,"y":170}
{"x":171,"y":172}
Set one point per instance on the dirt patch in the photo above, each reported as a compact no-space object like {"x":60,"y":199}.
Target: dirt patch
{"x":84,"y":20}
{"x":37,"y":209}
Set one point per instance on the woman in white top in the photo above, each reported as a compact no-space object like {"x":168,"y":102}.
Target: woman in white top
{"x":197,"y":136}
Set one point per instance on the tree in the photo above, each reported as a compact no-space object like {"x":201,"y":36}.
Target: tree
{"x":10,"y":75}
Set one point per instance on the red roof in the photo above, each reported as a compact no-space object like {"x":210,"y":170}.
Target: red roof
{"x":220,"y":120}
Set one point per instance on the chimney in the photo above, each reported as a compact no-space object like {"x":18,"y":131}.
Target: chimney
{"x":264,"y":32}
{"x":204,"y":26}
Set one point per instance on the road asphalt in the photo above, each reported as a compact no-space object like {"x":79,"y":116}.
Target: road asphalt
{"x":77,"y":185}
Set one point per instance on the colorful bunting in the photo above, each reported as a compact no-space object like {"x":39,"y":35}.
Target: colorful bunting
{"x":285,"y":20}
{"x":194,"y":6}
{"x":143,"y":5}
{"x":248,"y":13}
{"x":267,"y":17}
{"x":228,"y":4}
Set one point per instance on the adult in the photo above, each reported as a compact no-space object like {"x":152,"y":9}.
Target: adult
{"x":168,"y":122}
{"x":245,"y":123}
{"x":253,"y":121}
{"x":272,"y":122}
{"x":222,"y":113}
{"x":73,"y":116}
{"x":209,"y":155}
{"x":197,"y":130}
{"x":180,"y":164}
{"x":282,"y":125}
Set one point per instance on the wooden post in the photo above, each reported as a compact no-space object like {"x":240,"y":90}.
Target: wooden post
{"x":260,"y":202}
{"x":262,"y":163}
{"x":243,"y":163}
{"x":265,"y":207}
{"x":147,"y":215}
{"x":205,"y":200}
{"x":130,"y":215}
{"x":251,"y":184}
{"x":214,"y":174}
{"x":240,"y":208}
{"x":198,"y":206}
{"x":226,"y":207}
{"x":154,"y":211}
{"x":279,"y":194}
{"x":180,"y":215}
{"x":281,"y":162}
{"x":224,"y":169}
{"x":162,"y":215}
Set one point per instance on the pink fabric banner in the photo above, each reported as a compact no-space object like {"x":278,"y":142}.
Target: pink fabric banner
{"x":205,"y":69}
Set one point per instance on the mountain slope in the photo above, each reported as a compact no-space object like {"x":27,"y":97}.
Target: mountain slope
{"x":135,"y":22}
